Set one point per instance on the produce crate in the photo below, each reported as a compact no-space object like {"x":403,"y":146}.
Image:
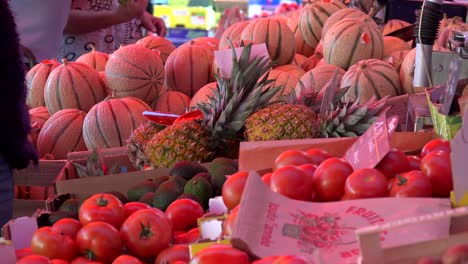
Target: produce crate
{"x":45,"y":176}
{"x":108,"y":157}
{"x":373,"y":252}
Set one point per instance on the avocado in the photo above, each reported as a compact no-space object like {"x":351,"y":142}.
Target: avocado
{"x":180,"y":181}
{"x":136,"y":192}
{"x":57,"y":215}
{"x":219,"y":168}
{"x":201,"y":188}
{"x":147,"y":198}
{"x":71,"y":205}
{"x":191,"y":197}
{"x":166,"y":193}
{"x":160,"y":179}
{"x":187,"y":169}
{"x":119,"y":196}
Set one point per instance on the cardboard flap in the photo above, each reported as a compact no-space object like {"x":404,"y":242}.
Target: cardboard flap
{"x":223,"y":58}
{"x":21,"y":231}
{"x":459,"y":154}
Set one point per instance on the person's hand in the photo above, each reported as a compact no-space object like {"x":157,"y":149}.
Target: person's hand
{"x":154,"y":24}
{"x":131,"y":9}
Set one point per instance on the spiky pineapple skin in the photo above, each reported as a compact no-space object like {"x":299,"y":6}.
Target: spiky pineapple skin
{"x":181,"y":141}
{"x":137,"y":142}
{"x":282,"y":121}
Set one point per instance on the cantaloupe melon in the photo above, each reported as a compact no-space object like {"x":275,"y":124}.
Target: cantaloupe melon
{"x":160,"y":45}
{"x":189,"y":68}
{"x":301,"y":46}
{"x":392,"y":44}
{"x":135,"y":71}
{"x":368,"y":78}
{"x":62,"y":133}
{"x":313,"y":17}
{"x":96,"y":59}
{"x":285,"y":80}
{"x":277,"y":36}
{"x":233,"y":32}
{"x":393,"y":25}
{"x":407,"y":73}
{"x":292,"y":69}
{"x":203,"y":94}
{"x":208,"y":42}
{"x":351,"y":40}
{"x":172,"y":102}
{"x":396,"y":58}
{"x":446,"y":32}
{"x":110,"y":123}
{"x":340,"y":15}
{"x":36,"y":79}
{"x":315,"y":79}
{"x":38,"y":116}
{"x":299,"y":59}
{"x":73,"y":85}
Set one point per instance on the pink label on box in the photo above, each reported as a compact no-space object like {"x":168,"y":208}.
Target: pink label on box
{"x":223,"y":58}
{"x":373,"y":145}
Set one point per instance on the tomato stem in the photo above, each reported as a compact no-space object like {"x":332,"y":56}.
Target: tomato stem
{"x":89,"y":255}
{"x":102,"y":202}
{"x":145,"y":231}
{"x":401,"y":180}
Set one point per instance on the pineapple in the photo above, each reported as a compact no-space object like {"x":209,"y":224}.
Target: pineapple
{"x":234,"y":99}
{"x":137,"y":142}
{"x":298,"y":117}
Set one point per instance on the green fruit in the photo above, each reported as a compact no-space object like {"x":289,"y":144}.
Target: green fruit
{"x":119,"y":196}
{"x":160,"y":179}
{"x":191,"y":197}
{"x":167,"y":193}
{"x":71,"y":205}
{"x":201,"y":188}
{"x":205,"y":175}
{"x":219,"y":168}
{"x":180,"y":181}
{"x":57,"y":215}
{"x":147,"y":198}
{"x":187,"y":169}
{"x":136,"y":192}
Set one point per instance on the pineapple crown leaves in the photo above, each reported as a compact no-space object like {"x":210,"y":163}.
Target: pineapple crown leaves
{"x":94,"y":167}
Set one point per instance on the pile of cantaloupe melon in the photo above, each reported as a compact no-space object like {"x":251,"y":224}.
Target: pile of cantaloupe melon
{"x":97,"y":101}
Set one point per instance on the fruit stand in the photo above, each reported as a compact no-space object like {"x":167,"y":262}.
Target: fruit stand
{"x":297,"y":136}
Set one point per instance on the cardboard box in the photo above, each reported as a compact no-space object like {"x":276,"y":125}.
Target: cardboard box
{"x":45,"y":175}
{"x":108,"y":157}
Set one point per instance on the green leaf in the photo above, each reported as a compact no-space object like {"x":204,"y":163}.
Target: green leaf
{"x":81,"y":170}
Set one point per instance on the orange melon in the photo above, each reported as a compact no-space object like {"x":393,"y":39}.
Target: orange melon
{"x":340,"y":15}
{"x":446,"y":33}
{"x":172,"y":102}
{"x":160,"y":45}
{"x":407,"y":73}
{"x":62,"y":133}
{"x":396,"y":58}
{"x":135,"y":71}
{"x":36,"y":79}
{"x":299,"y":59}
{"x":313,"y":17}
{"x":321,"y":62}
{"x":285,"y":80}
{"x":189,"y":68}
{"x":446,"y":21}
{"x":351,"y":40}
{"x":73,"y":85}
{"x":233,"y":32}
{"x":292,"y":69}
{"x":208,"y":42}
{"x":38,"y":116}
{"x":315,"y":79}
{"x":369,"y":78}
{"x":277,"y":36}
{"x":301,"y":46}
{"x":110,"y":123}
{"x":203,"y":94}
{"x":393,"y":25}
{"x":392,"y":44}
{"x":96,"y":59}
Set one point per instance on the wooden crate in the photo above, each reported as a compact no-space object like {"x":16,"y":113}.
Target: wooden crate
{"x":372,"y":251}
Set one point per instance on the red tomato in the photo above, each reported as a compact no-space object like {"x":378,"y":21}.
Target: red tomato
{"x":266,"y":178}
{"x":426,"y":260}
{"x":21,"y":253}
{"x":184,"y":213}
{"x":146,"y":233}
{"x":99,"y":241}
{"x":83,"y":260}
{"x":53,"y":245}
{"x":126,"y":259}
{"x":190,"y":237}
{"x":173,"y":253}
{"x":435,"y":145}
{"x":233,"y":188}
{"x":34,"y":259}
{"x":58,"y":261}
{"x":309,"y":170}
{"x":411,"y":184}
{"x":217,"y":254}
{"x":102,"y":207}
{"x":393,"y":163}
{"x":456,"y":254}
{"x":330,"y":178}
{"x":67,"y":226}
{"x":178,"y":262}
{"x":436,"y":165}
{"x":228,"y":225}
{"x":366,"y":183}
{"x":132,"y":207}
{"x":318,"y":155}
{"x":291,"y":181}
{"x":280,"y":260}
{"x":414,"y":162}
{"x":291,"y":158}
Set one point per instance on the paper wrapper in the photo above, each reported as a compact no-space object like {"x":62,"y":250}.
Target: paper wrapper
{"x":260,"y":155}
{"x":271,"y":224}
{"x":459,"y":154}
